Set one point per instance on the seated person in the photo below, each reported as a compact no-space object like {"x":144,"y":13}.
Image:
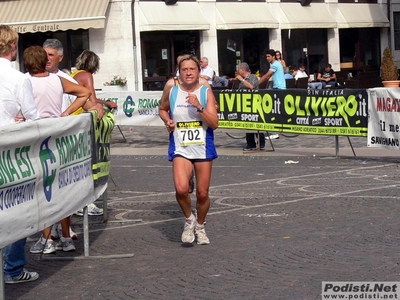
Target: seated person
{"x":219,"y":81}
{"x":287,"y":75}
{"x":327,"y":76}
{"x":301,"y":73}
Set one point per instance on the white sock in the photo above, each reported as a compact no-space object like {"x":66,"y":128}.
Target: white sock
{"x":43,"y":240}
{"x":199,"y":226}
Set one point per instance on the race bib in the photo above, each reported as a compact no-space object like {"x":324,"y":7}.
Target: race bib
{"x":190,"y":133}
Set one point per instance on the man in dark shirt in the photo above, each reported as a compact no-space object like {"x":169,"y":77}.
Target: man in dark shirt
{"x":327,"y":76}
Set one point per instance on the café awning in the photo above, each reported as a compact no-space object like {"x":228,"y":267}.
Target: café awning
{"x":361,"y":15}
{"x":156,"y":16}
{"x":232,"y":15}
{"x":315,"y":15}
{"x":53,"y":15}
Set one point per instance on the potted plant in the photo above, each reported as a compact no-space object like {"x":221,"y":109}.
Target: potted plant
{"x":117,"y":81}
{"x":390,"y":73}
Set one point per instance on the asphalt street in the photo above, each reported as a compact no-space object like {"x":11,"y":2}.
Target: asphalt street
{"x":280,"y":223}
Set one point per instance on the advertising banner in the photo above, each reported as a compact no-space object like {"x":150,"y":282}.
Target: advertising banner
{"x":45,"y":174}
{"x":135,"y":108}
{"x":101,"y":156}
{"x":384,"y":118}
{"x":301,"y":111}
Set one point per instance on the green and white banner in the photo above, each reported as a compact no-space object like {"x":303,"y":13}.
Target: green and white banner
{"x":45,"y":174}
{"x":301,"y":111}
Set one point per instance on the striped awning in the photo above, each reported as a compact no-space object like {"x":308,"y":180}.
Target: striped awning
{"x":53,"y":15}
{"x":240,"y":15}
{"x":156,"y":16}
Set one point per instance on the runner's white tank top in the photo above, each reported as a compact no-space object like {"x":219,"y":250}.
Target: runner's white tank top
{"x":192,"y":138}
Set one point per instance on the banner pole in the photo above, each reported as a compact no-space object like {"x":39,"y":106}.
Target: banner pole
{"x":2,"y":293}
{"x":86,"y":231}
{"x":337,"y":145}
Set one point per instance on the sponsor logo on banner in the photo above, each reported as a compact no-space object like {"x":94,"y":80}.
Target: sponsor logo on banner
{"x":47,"y":160}
{"x":74,"y":152}
{"x":129,"y":106}
{"x":148,"y":106}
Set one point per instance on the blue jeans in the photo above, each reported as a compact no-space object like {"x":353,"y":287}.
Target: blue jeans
{"x":315,"y":85}
{"x":14,"y":259}
{"x":324,"y":83}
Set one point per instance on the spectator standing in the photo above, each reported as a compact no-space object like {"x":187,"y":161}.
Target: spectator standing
{"x":278,"y":57}
{"x":275,"y":71}
{"x":16,"y":96}
{"x":48,"y":90}
{"x":249,"y":81}
{"x":87,"y":64}
{"x":327,"y":76}
{"x":301,"y":73}
{"x":194,"y":105}
{"x":55,"y":55}
{"x":206,"y":71}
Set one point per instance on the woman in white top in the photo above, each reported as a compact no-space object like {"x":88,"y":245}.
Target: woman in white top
{"x":48,"y":90}
{"x":190,"y":116}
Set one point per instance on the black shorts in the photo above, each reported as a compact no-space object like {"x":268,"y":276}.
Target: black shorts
{"x":194,"y":160}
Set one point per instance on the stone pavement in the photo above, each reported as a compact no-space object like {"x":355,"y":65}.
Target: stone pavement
{"x":277,"y":229}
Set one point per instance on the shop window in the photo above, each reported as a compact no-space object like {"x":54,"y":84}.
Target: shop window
{"x":396,"y":30}
{"x":243,"y":45}
{"x":306,"y":46}
{"x":159,"y":52}
{"x":359,"y":48}
{"x":74,"y":42}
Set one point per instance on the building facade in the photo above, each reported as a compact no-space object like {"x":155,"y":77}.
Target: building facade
{"x":140,"y":40}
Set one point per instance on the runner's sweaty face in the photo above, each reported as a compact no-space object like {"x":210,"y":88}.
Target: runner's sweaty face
{"x":189,"y":71}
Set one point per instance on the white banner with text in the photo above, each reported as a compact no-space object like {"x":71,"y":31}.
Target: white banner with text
{"x":134,"y":108}
{"x":45,"y":174}
{"x":384,"y":118}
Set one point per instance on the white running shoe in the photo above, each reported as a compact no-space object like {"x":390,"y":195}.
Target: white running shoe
{"x":188,"y":230}
{"x":65,"y":245}
{"x":201,"y":235}
{"x":39,"y":248}
{"x":93,"y":210}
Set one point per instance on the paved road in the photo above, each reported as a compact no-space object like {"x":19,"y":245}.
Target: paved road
{"x":277,"y":230}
